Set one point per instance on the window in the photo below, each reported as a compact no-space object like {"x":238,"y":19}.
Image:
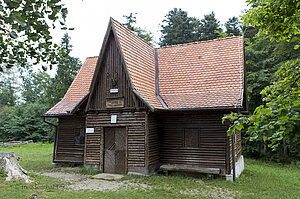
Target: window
{"x":79,"y":136}
{"x":192,"y":137}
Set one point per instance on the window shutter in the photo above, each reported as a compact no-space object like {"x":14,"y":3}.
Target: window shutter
{"x":191,"y":137}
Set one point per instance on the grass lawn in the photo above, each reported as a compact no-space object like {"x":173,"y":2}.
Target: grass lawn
{"x":259,"y":180}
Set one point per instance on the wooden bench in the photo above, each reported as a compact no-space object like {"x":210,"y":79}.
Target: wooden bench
{"x":189,"y":168}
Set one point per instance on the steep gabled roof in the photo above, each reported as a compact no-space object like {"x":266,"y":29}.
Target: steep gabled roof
{"x":199,"y":75}
{"x":139,"y":58}
{"x":139,"y":61}
{"x":77,"y":91}
{"x":207,"y":74}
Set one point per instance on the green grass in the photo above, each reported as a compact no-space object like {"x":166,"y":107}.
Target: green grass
{"x":266,"y":180}
{"x":34,"y":157}
{"x":259,"y":180}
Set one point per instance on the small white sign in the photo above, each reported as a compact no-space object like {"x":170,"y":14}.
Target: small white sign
{"x":115,"y":90}
{"x":113,"y":119}
{"x":89,"y":130}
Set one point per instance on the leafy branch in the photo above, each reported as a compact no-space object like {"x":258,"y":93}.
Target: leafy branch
{"x":25,"y":31}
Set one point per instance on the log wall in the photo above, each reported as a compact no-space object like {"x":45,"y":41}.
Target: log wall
{"x":153,"y":141}
{"x":238,"y":150}
{"x":135,"y":126}
{"x":238,"y":146}
{"x":66,"y":149}
{"x":212,"y":150}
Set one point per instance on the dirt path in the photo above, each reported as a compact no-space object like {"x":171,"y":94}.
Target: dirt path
{"x":79,"y":182}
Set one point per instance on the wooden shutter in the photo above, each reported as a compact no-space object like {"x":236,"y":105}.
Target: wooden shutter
{"x":79,"y":136}
{"x":191,"y":137}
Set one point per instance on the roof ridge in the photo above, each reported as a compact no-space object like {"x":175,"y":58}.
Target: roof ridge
{"x":197,"y":42}
{"x":91,"y":57}
{"x":128,"y":30}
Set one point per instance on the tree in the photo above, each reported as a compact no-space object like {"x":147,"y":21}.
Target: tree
{"x":35,"y":86}
{"x":279,"y":19}
{"x":67,"y":69}
{"x":279,"y":117}
{"x":130,"y":24}
{"x":263,"y":58}
{"x":8,"y":87}
{"x":25,"y":31}
{"x":178,"y":28}
{"x":233,"y":27}
{"x":7,"y":95}
{"x":23,"y":122}
{"x":210,"y":27}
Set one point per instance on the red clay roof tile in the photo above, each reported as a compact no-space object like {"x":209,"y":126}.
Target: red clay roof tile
{"x":78,"y":89}
{"x":202,"y":74}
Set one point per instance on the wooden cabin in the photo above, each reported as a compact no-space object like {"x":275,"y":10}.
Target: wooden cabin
{"x":137,"y":109}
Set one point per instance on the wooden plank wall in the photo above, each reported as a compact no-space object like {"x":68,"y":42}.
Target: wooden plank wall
{"x":153,"y":139}
{"x":238,"y":145}
{"x":229,"y":155}
{"x":111,"y":67}
{"x":135,"y":125}
{"x":238,"y":150}
{"x":67,"y":150}
{"x":212,"y":150}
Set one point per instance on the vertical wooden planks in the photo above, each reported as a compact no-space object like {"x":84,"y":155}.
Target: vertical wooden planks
{"x":115,"y":150}
{"x":112,"y":75}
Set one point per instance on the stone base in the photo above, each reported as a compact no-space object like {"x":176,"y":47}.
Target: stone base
{"x":142,"y":171}
{"x":239,"y":168}
{"x":229,"y":177}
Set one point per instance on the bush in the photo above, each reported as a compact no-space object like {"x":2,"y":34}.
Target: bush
{"x":24,"y":122}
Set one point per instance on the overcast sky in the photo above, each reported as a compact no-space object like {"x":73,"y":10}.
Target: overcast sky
{"x":90,"y":17}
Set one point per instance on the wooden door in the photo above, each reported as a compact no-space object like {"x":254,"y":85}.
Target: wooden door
{"x":115,"y":150}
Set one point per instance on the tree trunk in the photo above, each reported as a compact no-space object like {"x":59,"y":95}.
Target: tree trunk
{"x":9,"y":164}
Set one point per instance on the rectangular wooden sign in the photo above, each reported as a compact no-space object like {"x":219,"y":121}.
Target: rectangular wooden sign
{"x":115,"y":102}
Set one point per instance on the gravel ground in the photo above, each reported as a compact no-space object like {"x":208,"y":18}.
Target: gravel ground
{"x":79,"y":182}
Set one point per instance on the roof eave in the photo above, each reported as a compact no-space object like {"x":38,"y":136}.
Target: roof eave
{"x":144,"y":100}
{"x":79,"y":103}
{"x":57,"y":115}
{"x":199,"y":109}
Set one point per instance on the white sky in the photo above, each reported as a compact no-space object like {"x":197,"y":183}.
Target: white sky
{"x":90,"y":18}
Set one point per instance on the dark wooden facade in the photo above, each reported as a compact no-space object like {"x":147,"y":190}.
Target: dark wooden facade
{"x":193,"y":138}
{"x":130,"y":116}
{"x":133,"y":122}
{"x":139,"y":140}
{"x":112,"y":75}
{"x":70,"y":139}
